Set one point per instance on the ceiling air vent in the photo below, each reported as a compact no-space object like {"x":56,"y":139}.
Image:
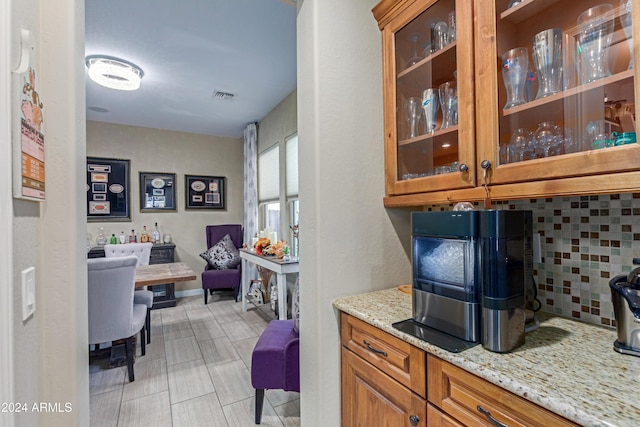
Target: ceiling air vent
{"x":224,"y":96}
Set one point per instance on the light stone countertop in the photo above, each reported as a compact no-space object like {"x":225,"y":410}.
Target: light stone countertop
{"x":566,"y":366}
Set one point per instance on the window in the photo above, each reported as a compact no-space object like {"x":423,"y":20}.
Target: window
{"x":270,"y":174}
{"x":269,"y":189}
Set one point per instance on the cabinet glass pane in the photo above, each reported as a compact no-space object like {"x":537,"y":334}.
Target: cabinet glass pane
{"x":426,"y":94}
{"x":565,"y":77}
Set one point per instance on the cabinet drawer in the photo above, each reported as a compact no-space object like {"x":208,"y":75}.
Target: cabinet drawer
{"x":398,"y":359}
{"x":472,"y":400}
{"x":437,"y":418}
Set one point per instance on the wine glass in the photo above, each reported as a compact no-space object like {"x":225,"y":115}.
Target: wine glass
{"x":414,"y":38}
{"x":448,"y":104}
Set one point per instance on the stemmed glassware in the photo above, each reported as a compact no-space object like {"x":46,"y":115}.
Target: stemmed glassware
{"x":413,"y":110}
{"x":414,"y":38}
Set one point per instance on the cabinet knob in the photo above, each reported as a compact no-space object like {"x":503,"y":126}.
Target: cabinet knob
{"x":486,"y":164}
{"x":414,"y":420}
{"x":463,"y":167}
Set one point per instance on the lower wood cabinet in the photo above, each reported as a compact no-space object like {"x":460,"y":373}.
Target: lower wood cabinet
{"x":383,"y":378}
{"x":371,"y":398}
{"x":473,"y":401}
{"x":388,"y":382}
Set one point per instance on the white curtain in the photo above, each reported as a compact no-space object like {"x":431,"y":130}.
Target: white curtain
{"x":250,"y":187}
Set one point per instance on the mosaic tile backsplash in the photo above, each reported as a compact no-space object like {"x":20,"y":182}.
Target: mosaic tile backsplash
{"x":585,"y":241}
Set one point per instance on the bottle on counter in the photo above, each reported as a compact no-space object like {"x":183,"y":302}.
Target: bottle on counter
{"x":144,"y":236}
{"x":132,"y":237}
{"x":114,"y":239}
{"x":122,"y":238}
{"x":156,"y":235}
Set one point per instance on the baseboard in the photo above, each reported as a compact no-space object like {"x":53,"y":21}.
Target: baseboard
{"x":188,"y":293}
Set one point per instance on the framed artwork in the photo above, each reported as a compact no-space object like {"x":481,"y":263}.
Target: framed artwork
{"x":204,"y":192}
{"x":107,"y":190}
{"x":157,"y":192}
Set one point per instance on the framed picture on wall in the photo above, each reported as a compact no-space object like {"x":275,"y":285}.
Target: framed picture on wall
{"x":157,"y":192}
{"x":107,"y":190}
{"x":204,"y":192}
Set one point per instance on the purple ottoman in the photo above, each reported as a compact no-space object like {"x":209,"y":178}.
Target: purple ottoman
{"x":275,"y":362}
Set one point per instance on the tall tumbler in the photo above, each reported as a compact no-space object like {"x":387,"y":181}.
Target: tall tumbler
{"x":515,"y":64}
{"x":413,"y":112}
{"x":547,"y":58}
{"x":627,"y":24}
{"x":449,"y":104}
{"x":595,"y":31}
{"x":430,"y":106}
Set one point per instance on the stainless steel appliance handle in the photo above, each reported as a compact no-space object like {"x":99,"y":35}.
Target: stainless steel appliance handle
{"x":375,"y":350}
{"x":492,"y":420}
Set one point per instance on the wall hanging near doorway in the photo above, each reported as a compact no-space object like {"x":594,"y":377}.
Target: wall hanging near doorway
{"x":204,"y":192}
{"x":157,"y":192}
{"x":107,"y":190}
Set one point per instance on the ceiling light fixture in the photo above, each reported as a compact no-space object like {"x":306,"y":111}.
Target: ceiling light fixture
{"x":114,"y":73}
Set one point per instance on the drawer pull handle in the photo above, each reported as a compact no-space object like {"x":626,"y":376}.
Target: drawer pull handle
{"x":375,"y":350}
{"x":414,"y":420}
{"x":492,"y":420}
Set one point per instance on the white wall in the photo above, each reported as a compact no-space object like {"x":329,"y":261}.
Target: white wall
{"x":349,"y":243}
{"x":156,"y":150}
{"x":50,"y":349}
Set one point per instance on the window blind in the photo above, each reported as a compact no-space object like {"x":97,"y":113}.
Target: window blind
{"x":269,"y":174}
{"x":292,"y":165}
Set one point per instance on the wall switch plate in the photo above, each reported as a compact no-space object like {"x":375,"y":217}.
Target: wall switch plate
{"x":537,"y":256}
{"x":28,"y":292}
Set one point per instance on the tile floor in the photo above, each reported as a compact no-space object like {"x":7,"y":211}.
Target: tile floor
{"x":196,"y":372}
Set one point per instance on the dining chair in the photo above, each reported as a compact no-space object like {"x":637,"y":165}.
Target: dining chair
{"x":143,"y":252}
{"x":214,"y":279}
{"x":112,"y":314}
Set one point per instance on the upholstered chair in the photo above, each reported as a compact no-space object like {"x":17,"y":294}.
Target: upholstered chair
{"x":214,"y":279}
{"x":143,"y":252}
{"x":112,"y":314}
{"x":275,"y":361}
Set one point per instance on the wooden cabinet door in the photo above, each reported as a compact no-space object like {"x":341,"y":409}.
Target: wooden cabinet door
{"x":579,"y":109}
{"x":372,"y":399}
{"x":428,"y":156}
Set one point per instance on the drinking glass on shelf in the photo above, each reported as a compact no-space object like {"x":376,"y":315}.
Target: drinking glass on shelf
{"x":600,"y":141}
{"x":547,"y":58}
{"x":449,"y":104}
{"x":414,"y":38}
{"x":413,"y":111}
{"x":515,"y":64}
{"x":430,"y":106}
{"x":451,"y":21}
{"x":440,"y":35}
{"x":595,"y":32}
{"x":626,"y":21}
{"x":548,"y":140}
{"x":519,"y":142}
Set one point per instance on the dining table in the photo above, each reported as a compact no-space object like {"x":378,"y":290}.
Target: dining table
{"x":157,"y":274}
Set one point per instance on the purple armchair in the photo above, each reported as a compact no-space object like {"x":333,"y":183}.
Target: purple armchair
{"x":213,"y":279}
{"x":275,"y":362}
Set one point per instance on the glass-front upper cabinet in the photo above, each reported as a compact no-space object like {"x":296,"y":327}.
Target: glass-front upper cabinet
{"x":428,"y":94}
{"x":556,"y":88}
